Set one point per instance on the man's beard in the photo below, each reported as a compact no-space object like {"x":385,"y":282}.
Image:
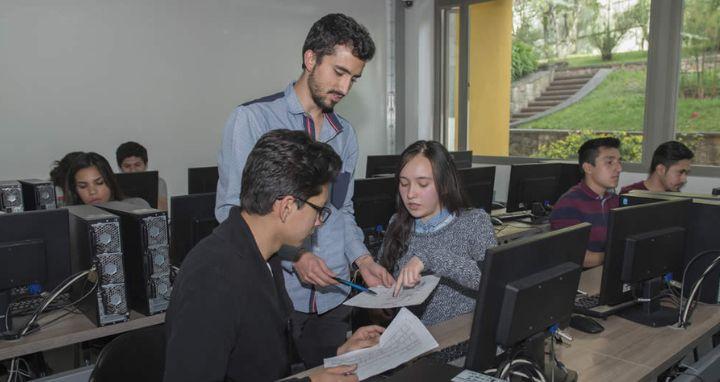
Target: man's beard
{"x":325,"y":106}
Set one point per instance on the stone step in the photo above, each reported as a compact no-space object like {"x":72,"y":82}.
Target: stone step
{"x":522,"y":115}
{"x":574,"y":88}
{"x":573,"y":76}
{"x":558,"y":93}
{"x":549,"y":103}
{"x":559,"y":98}
{"x":575,"y":81}
{"x":534,"y":109}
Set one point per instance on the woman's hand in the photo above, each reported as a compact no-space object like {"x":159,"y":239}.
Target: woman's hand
{"x":409,"y":276}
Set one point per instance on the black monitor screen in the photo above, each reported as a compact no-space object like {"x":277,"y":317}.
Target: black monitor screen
{"x":629,"y":229}
{"x":34,"y":249}
{"x":381,"y":165}
{"x":192,"y":219}
{"x":374,"y":201}
{"x":533,"y":183}
{"x":462,"y":159}
{"x":142,"y":185}
{"x":478,"y":183}
{"x":527,"y":286}
{"x":202,"y":180}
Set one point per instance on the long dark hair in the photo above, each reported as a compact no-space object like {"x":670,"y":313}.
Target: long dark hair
{"x":85,"y":160}
{"x":447,"y":185}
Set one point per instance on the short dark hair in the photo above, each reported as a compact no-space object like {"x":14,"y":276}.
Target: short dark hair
{"x":283,"y":163}
{"x":85,"y":160}
{"x":338,"y":29}
{"x":130,"y":149}
{"x":590,"y":150}
{"x":669,"y":153}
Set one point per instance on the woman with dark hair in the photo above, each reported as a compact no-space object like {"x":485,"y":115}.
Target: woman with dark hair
{"x":90,"y":180}
{"x":434,"y":231}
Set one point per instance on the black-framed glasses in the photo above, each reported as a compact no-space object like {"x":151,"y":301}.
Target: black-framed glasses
{"x":323,"y":212}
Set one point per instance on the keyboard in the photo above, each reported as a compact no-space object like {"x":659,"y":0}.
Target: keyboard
{"x":517,"y":215}
{"x":589,"y":305}
{"x":29,"y":304}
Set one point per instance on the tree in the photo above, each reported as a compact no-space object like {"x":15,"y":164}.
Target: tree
{"x":609,"y":32}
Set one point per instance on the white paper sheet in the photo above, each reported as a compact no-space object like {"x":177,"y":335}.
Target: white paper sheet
{"x":384,"y":298}
{"x":404,"y":339}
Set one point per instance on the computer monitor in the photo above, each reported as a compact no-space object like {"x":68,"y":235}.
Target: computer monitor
{"x":534,"y":183}
{"x":374,"y":201}
{"x":192,"y":219}
{"x":478,"y":183}
{"x":527,"y":286}
{"x":381,"y":165}
{"x":34,"y":254}
{"x":462,"y":159}
{"x":202,"y":180}
{"x":701,"y":235}
{"x":142,"y":185}
{"x":644,"y":244}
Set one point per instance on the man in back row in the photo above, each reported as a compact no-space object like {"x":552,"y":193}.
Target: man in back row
{"x":333,"y":58}
{"x":669,"y":169}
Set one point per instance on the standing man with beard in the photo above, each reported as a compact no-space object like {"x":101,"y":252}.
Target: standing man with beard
{"x":333,"y":57}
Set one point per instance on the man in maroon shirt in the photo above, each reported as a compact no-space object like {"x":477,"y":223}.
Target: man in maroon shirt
{"x":668,"y":171}
{"x":591,"y":200}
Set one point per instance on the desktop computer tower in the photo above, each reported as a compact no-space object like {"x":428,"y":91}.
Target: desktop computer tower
{"x":38,"y":194}
{"x":11,"y":198}
{"x":95,"y":241}
{"x":146,"y":256}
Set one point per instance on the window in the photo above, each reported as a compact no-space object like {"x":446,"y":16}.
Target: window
{"x":698,"y":104}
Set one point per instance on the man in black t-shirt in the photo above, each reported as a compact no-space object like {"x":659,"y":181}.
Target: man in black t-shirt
{"x":229,"y":313}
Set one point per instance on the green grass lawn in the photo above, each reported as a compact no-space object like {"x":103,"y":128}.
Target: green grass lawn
{"x":618,"y":105}
{"x":595,"y":60}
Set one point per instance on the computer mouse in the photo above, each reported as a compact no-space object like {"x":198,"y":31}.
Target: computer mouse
{"x":585,"y":324}
{"x":496,"y":221}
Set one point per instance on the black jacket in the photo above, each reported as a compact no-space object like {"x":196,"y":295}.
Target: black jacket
{"x":229,"y":314}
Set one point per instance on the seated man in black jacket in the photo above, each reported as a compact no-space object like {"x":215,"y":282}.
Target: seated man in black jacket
{"x":229,"y":313}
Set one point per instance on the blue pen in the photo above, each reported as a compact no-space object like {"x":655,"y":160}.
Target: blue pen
{"x":353,"y":285}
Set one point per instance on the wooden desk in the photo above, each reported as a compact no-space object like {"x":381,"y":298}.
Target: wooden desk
{"x":69,"y":330}
{"x":625,"y":351}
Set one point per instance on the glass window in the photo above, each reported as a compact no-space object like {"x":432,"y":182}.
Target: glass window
{"x":579,"y":70}
{"x":698,"y":107}
{"x":450,"y":76}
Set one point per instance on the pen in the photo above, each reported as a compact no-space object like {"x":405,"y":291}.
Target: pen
{"x":353,"y":285}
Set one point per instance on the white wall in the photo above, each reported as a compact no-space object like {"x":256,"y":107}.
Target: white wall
{"x":89,"y":75}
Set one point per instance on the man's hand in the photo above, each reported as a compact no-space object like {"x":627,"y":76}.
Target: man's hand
{"x":373,"y":273}
{"x":336,"y":374}
{"x":312,"y":270}
{"x":362,"y":338}
{"x":409,"y":275}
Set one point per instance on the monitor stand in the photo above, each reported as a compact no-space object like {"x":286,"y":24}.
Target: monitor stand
{"x":651,"y":313}
{"x":535,"y":347}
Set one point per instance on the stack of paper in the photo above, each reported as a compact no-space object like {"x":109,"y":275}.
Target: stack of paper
{"x":404,"y":339}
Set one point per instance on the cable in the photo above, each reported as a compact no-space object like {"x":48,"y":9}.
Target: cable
{"x":683,"y":318}
{"x":687,"y":267}
{"x":58,"y":290}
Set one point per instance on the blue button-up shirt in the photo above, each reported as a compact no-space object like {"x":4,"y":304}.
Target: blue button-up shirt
{"x":339,"y":242}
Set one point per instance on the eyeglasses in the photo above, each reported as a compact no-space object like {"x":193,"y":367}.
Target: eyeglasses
{"x":323,"y":212}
